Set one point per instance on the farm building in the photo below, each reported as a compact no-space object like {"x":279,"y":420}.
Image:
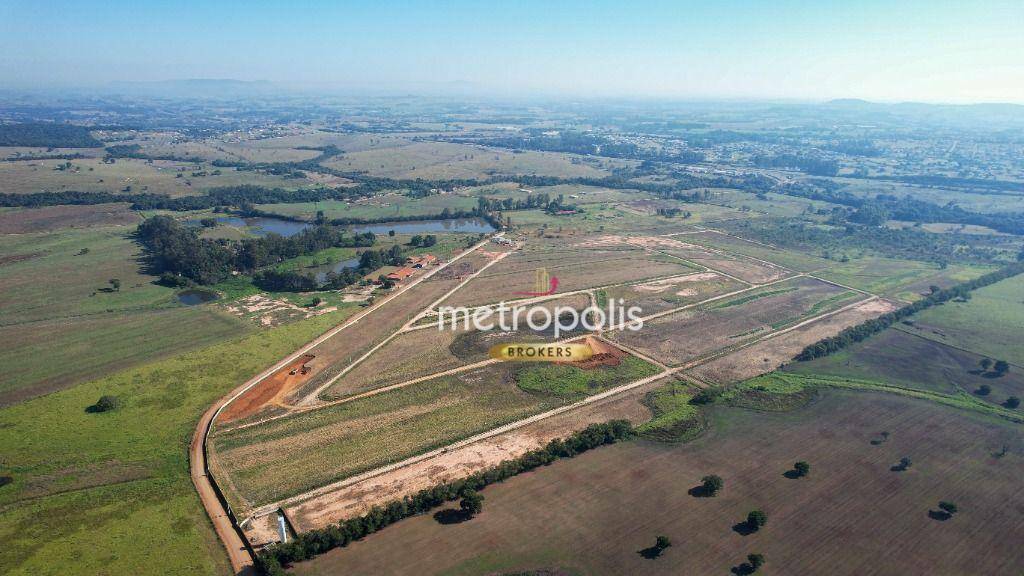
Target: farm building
{"x":400,"y":274}
{"x":424,"y":261}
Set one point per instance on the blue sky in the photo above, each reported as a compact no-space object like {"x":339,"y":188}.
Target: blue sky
{"x":927,"y":51}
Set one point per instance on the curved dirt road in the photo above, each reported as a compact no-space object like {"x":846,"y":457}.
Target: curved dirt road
{"x":238,"y":553}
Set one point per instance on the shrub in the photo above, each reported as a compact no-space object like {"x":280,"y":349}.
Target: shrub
{"x":712,"y":484}
{"x":756,"y":519}
{"x":106,"y":403}
{"x":802,"y":468}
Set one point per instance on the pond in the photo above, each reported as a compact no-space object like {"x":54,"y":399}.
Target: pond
{"x":321,"y":273}
{"x":191,"y":297}
{"x":473,"y":225}
{"x":261,"y":226}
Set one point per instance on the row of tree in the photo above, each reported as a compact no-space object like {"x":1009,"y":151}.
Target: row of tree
{"x":273,"y":559}
{"x":178,"y":250}
{"x":866,"y":329}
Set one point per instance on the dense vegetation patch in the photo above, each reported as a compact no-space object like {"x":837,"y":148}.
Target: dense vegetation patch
{"x":49,"y":135}
{"x":676,"y":418}
{"x":568,"y":382}
{"x":176,"y":250}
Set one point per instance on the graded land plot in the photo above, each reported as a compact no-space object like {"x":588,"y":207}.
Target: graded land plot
{"x":426,"y":351}
{"x":988,"y":324}
{"x":794,"y":260}
{"x":596,"y":513}
{"x":443,"y":160}
{"x":769,"y":354}
{"x":678,"y":247}
{"x":287,"y":456}
{"x":340,"y":350}
{"x":576,"y":269}
{"x":128,"y":175}
{"x":689,"y":334}
{"x":898,"y":358}
{"x":52,"y":218}
{"x":462,"y":461}
{"x":47,"y":355}
{"x":659,"y":295}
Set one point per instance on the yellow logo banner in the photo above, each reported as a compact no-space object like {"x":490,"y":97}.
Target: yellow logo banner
{"x":541,"y":352}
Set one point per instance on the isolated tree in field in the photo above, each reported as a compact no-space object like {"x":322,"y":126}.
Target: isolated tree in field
{"x":106,"y":403}
{"x":472,"y":503}
{"x":115,"y":284}
{"x":985,"y":363}
{"x":662,"y":542}
{"x":711,"y":484}
{"x":948,"y":507}
{"x":755,"y":561}
{"x":391,"y":233}
{"x":802,"y":468}
{"x":984,"y":390}
{"x":1001,"y":367}
{"x":1012,"y":402}
{"x":756,"y":519}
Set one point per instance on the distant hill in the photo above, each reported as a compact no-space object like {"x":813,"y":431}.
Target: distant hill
{"x":196,"y":87}
{"x":964,"y":115}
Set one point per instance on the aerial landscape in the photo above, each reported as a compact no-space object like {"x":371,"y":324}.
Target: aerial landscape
{"x":516,"y":314}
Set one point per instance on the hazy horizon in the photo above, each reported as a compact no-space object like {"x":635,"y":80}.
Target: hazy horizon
{"x":733,"y":50}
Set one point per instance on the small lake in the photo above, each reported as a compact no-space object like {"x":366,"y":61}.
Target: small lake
{"x":321,"y":273}
{"x":192,"y":297}
{"x":472,"y":225}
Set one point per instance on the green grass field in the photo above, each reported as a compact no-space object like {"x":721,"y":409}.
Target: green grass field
{"x":989,"y":324}
{"x":62,"y":323}
{"x":110,"y":493}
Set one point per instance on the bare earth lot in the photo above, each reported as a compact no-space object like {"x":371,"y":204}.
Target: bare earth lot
{"x":593,"y":514}
{"x":683,"y":336}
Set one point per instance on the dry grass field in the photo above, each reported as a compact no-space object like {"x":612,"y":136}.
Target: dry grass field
{"x":428,"y":351}
{"x":576,"y":269}
{"x":141,"y":176}
{"x":440,"y":160}
{"x":594,"y":514}
{"x":660,"y":295}
{"x":678,"y":338}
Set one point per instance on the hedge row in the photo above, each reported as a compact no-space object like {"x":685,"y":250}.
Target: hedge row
{"x":875,"y":325}
{"x":271,"y":560}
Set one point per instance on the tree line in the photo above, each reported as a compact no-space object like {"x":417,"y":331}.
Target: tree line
{"x":177,"y":250}
{"x":272,"y":560}
{"x":868,"y":328}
